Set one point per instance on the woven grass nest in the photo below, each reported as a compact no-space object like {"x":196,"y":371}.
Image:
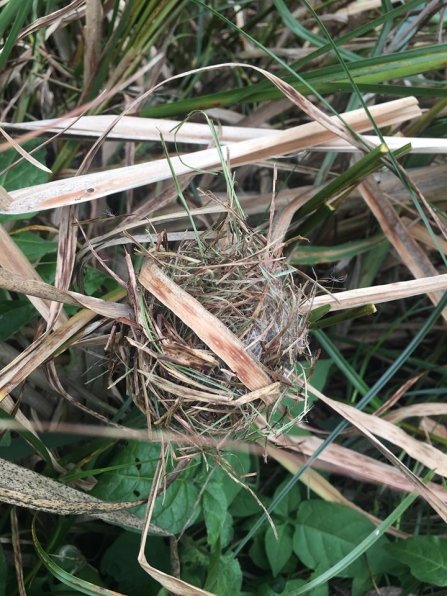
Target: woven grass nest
{"x":220,"y":333}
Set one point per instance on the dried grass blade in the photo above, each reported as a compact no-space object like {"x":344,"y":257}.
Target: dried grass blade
{"x":426,"y":454}
{"x":416,"y":410}
{"x":341,"y":460}
{"x":66,"y":254}
{"x":73,"y":8}
{"x":418,"y":145}
{"x":322,"y":487}
{"x":24,"y":153}
{"x":92,"y":51}
{"x":132,"y":128}
{"x":378,"y":294}
{"x":429,"y":456}
{"x":420,"y":233}
{"x":41,"y":349}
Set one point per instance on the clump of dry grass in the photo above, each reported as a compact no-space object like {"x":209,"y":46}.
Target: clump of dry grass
{"x":234,"y":310}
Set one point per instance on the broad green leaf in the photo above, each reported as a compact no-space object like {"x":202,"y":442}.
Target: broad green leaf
{"x":289,"y":503}
{"x":425,"y":555}
{"x":257,"y":552}
{"x":361,"y":585}
{"x":94,"y":279}
{"x":264,"y":590}
{"x":33,"y":246}
{"x":227,"y":533}
{"x":238,"y":464}
{"x":321,"y":590}
{"x":3,"y":572}
{"x":135,"y":481}
{"x":327,"y":532}
{"x":195,"y":565}
{"x":120,"y":561}
{"x":291,"y":587}
{"x":245,"y":505}
{"x":16,"y":217}
{"x":14,"y":314}
{"x":229,"y":581}
{"x":215,"y":510}
{"x":24,"y":173}
{"x":279,"y":550}
{"x":321,"y":373}
{"x":5,"y":441}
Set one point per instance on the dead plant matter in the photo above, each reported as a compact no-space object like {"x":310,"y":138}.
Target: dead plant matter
{"x":221,"y":331}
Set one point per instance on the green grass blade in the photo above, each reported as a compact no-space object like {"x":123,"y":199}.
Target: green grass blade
{"x":19,"y":9}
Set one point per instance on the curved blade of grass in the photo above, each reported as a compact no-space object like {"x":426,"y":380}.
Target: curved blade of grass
{"x":362,"y":403}
{"x":239,"y":95}
{"x":360,"y":549}
{"x":66,"y":578}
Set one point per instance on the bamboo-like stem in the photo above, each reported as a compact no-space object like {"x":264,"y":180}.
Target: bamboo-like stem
{"x":89,"y":187}
{"x":378,"y":294}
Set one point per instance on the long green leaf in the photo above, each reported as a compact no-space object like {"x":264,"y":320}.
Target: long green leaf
{"x":369,"y":74}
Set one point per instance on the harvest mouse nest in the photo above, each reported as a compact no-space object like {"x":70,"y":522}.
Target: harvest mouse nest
{"x":183,"y":381}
